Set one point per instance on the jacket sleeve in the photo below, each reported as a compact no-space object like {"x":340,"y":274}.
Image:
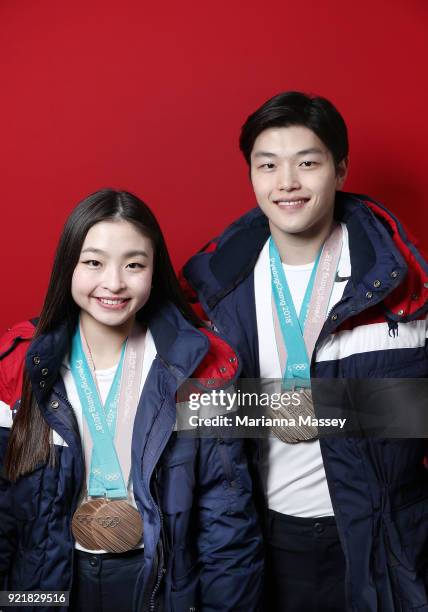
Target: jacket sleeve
{"x":230,"y":544}
{"x":7,"y":520}
{"x":13,"y":346}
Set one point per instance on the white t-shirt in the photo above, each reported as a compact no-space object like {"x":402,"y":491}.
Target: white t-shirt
{"x":293,"y":474}
{"x":104,"y":381}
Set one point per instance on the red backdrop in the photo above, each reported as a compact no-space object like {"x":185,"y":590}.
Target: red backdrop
{"x":150,"y":97}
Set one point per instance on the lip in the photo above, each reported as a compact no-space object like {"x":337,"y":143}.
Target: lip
{"x":117,"y":305}
{"x":291,"y":204}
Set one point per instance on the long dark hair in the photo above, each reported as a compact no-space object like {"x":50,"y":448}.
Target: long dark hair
{"x":29,"y":442}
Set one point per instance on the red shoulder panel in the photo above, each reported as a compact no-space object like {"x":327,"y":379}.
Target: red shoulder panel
{"x":412,"y":293}
{"x":13,"y":347}
{"x":219,"y":365}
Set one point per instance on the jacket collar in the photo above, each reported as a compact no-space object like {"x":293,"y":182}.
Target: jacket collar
{"x":382,"y":258}
{"x":179,"y":345}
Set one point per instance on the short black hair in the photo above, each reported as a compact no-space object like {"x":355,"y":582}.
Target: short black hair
{"x":297,"y":108}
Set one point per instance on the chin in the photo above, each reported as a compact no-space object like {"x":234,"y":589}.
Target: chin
{"x":111,"y":321}
{"x":292,"y":228}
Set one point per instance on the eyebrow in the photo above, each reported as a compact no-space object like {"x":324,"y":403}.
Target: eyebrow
{"x":264,"y":154}
{"x":128,"y":254}
{"x":310,"y":151}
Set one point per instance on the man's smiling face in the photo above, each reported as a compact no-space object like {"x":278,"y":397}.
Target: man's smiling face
{"x":295,"y":179}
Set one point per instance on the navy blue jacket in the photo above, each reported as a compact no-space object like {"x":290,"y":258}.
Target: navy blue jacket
{"x":378,"y":487}
{"x":202,"y":545}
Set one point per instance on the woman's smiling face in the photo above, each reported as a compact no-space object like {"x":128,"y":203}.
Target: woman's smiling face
{"x":113,"y":277}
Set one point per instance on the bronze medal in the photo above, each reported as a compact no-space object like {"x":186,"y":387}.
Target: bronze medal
{"x":117,"y":527}
{"x":299,"y":432}
{"x":81,"y":525}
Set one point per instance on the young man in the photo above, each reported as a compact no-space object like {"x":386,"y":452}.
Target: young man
{"x":347,"y":517}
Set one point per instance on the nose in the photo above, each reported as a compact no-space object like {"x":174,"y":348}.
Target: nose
{"x":287,"y":178}
{"x":113,"y":280}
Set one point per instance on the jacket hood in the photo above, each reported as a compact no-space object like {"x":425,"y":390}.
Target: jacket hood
{"x":381,"y":252}
{"x":411,"y":296}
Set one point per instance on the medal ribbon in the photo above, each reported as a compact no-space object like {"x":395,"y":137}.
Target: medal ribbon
{"x":296,"y":336}
{"x":106,"y":462}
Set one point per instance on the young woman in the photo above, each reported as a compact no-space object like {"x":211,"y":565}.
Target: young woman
{"x":100,"y":497}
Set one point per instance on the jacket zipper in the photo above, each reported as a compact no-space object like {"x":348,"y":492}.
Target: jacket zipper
{"x":59,"y":415}
{"x":161,"y":569}
{"x":160,"y":575}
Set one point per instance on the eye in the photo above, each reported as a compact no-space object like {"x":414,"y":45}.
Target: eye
{"x":92,"y":263}
{"x":267,"y":166}
{"x":135,"y":265}
{"x":308,"y":164}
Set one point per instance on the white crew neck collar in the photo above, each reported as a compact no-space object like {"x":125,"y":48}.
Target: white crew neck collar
{"x":298,"y":267}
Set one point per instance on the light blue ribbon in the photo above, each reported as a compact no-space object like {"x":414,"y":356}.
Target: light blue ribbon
{"x":292,"y":326}
{"x":105,"y":476}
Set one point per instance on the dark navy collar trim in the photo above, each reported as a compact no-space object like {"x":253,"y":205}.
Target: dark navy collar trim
{"x":371,"y":246}
{"x":179,"y":345}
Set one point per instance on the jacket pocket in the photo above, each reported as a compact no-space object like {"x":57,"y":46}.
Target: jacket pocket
{"x":184,"y":600}
{"x":406,"y":543}
{"x":184,"y":596}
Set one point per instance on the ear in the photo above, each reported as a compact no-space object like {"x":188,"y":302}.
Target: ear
{"x":342,"y":172}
